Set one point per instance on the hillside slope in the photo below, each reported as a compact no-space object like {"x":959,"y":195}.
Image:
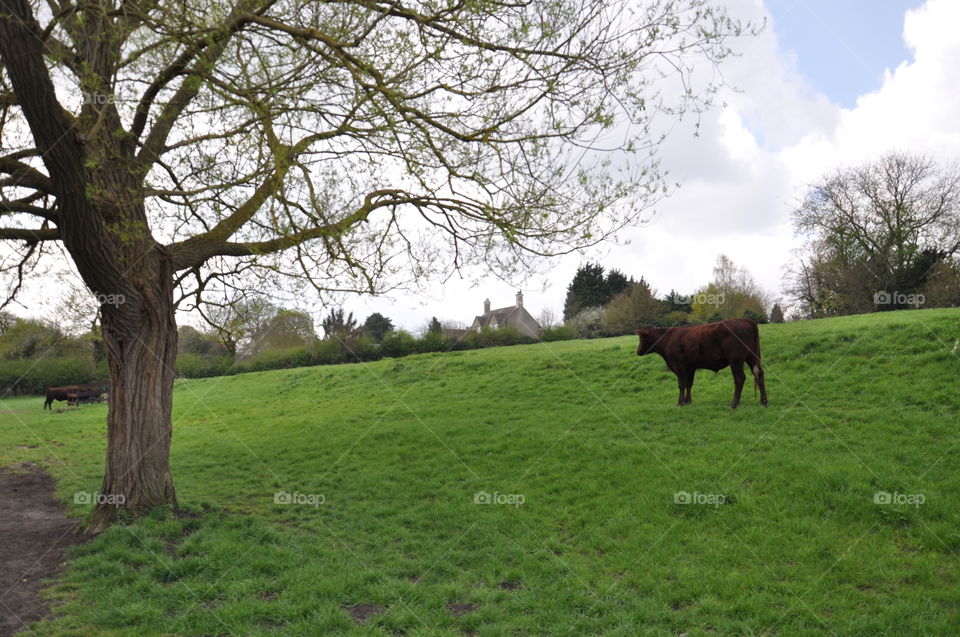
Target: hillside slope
{"x":545,"y":489}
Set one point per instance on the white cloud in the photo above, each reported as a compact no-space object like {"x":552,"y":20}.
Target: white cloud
{"x":916,"y":109}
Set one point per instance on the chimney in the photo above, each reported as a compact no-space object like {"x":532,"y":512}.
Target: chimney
{"x":486,"y":306}
{"x":519,"y":299}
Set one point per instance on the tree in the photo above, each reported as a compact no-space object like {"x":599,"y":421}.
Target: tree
{"x":377,"y":325}
{"x":617,"y":282}
{"x":943,"y":285}
{"x":284,"y":330}
{"x":677,"y":302}
{"x":237,"y":319}
{"x":776,"y":314}
{"x":171,"y":150}
{"x":29,"y":338}
{"x":336,"y":326}
{"x":548,"y":318}
{"x":632,"y":309}
{"x":879,"y":229}
{"x":590,"y":288}
{"x":587,"y":289}
{"x":731,"y":294}
{"x":192,"y":341}
{"x":434,"y":327}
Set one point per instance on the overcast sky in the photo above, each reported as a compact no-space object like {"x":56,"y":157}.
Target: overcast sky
{"x":828,"y":83}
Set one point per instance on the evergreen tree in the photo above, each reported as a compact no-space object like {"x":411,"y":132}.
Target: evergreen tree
{"x":377,"y":325}
{"x":776,"y":314}
{"x":677,"y":302}
{"x":588,"y":289}
{"x":335,"y":325}
{"x":617,"y":282}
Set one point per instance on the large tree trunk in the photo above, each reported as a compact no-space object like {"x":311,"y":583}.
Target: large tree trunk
{"x":141,"y":358}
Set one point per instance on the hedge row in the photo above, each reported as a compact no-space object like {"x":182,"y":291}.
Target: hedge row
{"x":33,"y":376}
{"x":396,"y":344}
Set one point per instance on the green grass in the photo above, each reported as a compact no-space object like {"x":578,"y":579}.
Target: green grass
{"x":590,"y":436}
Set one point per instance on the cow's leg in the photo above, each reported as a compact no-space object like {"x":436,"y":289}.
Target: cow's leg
{"x":690,"y":376}
{"x":682,"y":384}
{"x":738,"y":377}
{"x":758,"y":382}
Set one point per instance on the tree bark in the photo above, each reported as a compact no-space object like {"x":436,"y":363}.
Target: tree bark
{"x":141,"y":359}
{"x":103,"y":224}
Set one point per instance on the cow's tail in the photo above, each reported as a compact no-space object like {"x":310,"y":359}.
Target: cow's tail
{"x":756,"y":368}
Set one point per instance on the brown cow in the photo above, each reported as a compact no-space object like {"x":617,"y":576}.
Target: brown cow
{"x":74,"y":394}
{"x":712,"y":346}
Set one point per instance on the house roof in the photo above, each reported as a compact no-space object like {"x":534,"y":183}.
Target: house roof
{"x":502,"y":315}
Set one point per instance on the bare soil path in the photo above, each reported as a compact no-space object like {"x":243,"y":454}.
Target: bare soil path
{"x":34,"y":536}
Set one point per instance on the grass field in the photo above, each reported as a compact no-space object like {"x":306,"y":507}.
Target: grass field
{"x":609,"y":510}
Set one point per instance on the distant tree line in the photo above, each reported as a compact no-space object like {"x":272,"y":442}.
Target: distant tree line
{"x":37,"y":354}
{"x":611,"y":304}
{"x":281,"y":338}
{"x":251,"y":335}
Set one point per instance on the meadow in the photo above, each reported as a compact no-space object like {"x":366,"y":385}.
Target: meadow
{"x":548,"y":489}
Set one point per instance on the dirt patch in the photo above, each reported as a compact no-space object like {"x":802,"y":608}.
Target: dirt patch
{"x":34,"y":536}
{"x":458,"y":609}
{"x":362,"y":612}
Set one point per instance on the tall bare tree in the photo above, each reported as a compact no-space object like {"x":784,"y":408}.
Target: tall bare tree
{"x":881,"y":227}
{"x":167,"y":145}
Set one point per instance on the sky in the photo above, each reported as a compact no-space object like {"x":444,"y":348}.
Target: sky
{"x":827,"y":84}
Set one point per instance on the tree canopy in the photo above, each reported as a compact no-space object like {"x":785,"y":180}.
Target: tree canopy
{"x":733,"y":293}
{"x":591,"y":288}
{"x":876,"y":232}
{"x":173,"y":148}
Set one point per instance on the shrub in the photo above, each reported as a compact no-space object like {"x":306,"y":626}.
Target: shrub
{"x":489,"y":337}
{"x":589,"y":322}
{"x":328,"y":352}
{"x":364,"y":348}
{"x":558,"y":333}
{"x":196,"y":366}
{"x":397,"y":344}
{"x":278,"y":359}
{"x":33,"y":376}
{"x":676,"y":318}
{"x":431,"y":341}
{"x":759,"y":317}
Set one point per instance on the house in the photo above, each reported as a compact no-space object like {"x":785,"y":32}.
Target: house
{"x":515,"y":316}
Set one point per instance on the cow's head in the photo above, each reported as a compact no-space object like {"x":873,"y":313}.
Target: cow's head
{"x":648,"y":339}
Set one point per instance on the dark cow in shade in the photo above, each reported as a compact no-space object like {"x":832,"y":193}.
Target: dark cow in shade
{"x":75,"y":394}
{"x":712,"y":346}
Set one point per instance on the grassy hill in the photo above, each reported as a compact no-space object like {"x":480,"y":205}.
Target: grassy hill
{"x":587,"y":461}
